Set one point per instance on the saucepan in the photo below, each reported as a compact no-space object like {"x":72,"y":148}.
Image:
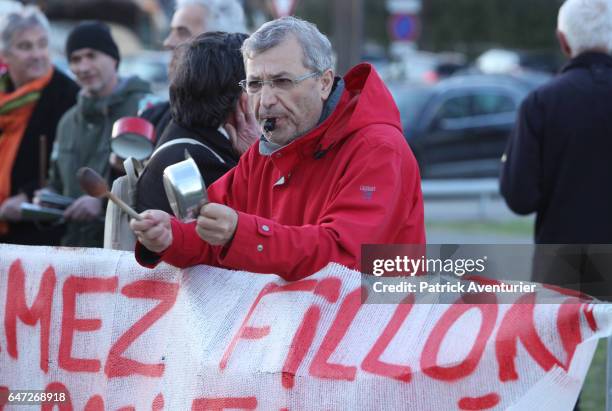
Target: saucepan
{"x":133,"y":137}
{"x":185,"y":188}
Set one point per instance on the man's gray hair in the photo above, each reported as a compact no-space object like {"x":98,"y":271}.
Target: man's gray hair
{"x":18,"y":19}
{"x":222,"y":15}
{"x":587,"y":25}
{"x":318,"y":54}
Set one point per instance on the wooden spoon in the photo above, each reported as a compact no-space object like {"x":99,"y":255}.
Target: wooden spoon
{"x":94,"y":185}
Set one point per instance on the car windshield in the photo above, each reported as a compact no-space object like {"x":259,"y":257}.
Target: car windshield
{"x":410,"y":102}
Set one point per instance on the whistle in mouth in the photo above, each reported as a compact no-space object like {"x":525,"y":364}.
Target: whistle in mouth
{"x":269,"y":125}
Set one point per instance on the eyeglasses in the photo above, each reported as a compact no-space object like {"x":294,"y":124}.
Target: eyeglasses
{"x":281,"y":83}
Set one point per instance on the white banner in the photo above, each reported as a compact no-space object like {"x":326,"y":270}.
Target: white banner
{"x":113,"y":335}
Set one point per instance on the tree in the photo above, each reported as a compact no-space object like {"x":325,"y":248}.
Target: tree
{"x":472,"y":26}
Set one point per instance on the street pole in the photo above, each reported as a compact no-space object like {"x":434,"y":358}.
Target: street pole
{"x":348,"y":33}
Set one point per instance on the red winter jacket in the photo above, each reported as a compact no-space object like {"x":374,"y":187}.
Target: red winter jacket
{"x":351,"y":181}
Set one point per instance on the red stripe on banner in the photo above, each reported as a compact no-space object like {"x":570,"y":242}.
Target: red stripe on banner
{"x":4,"y":392}
{"x":302,"y":341}
{"x":251,"y":333}
{"x":57,"y":387}
{"x":434,"y":342}
{"x":165,"y":293}
{"x":372,"y":362}
{"x":568,"y":325}
{"x":509,"y":333}
{"x":74,"y":286}
{"x":329,"y":288}
{"x":479,"y":403}
{"x":320,"y":366}
{"x":219,"y":404}
{"x":158,"y":403}
{"x":587,"y":309}
{"x":40,"y":311}
{"x":255,"y":333}
{"x":270,"y":287}
{"x":95,"y":403}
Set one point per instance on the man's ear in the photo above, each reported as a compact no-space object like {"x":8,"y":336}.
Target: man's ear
{"x":564,"y":44}
{"x":327,"y":82}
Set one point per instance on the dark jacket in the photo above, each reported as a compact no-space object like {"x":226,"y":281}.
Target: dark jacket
{"x":83,"y":140}
{"x":56,"y":98}
{"x":150,"y":188}
{"x":159,"y":115}
{"x":557,"y":162}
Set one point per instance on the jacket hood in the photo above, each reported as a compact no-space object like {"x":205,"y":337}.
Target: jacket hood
{"x":365,"y":101}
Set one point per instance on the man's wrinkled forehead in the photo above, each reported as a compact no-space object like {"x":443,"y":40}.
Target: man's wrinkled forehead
{"x":285,"y":58}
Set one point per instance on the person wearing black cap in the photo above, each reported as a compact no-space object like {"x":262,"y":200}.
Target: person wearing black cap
{"x":84,"y":132}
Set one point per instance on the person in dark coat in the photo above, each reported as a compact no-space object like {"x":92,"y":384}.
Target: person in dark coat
{"x":33,"y":97}
{"x":557,"y":163}
{"x":204,"y":93}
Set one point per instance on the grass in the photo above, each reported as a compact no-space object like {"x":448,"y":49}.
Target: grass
{"x":513,"y":228}
{"x":593,"y":396}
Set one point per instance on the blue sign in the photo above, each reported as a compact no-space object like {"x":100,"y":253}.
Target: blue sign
{"x":404,"y":27}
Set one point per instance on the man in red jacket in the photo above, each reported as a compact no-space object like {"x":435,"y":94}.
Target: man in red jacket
{"x":331,"y":172}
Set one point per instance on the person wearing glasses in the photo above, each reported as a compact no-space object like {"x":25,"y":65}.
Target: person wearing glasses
{"x":331,"y":170}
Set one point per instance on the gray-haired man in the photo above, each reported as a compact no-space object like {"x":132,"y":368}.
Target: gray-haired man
{"x":191,"y":18}
{"x":33,"y":97}
{"x":331,"y":172}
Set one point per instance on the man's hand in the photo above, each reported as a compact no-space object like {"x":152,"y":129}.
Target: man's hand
{"x":10,"y":210}
{"x":84,"y":208}
{"x":242,"y":126}
{"x":39,"y":192}
{"x":217,"y":223}
{"x":154,"y":230}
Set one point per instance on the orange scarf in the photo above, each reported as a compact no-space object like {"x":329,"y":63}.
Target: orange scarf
{"x":16,"y":107}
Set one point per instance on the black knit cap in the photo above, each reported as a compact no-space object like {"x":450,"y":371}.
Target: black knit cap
{"x":93,"y":35}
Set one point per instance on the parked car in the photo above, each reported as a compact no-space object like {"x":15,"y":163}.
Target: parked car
{"x":459,"y":127}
